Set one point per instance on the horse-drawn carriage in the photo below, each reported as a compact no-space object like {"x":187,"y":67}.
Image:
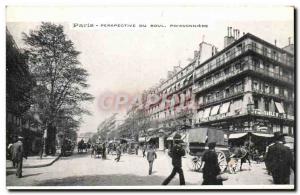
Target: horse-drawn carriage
{"x":67,"y":147}
{"x":82,"y":146}
{"x":198,"y":140}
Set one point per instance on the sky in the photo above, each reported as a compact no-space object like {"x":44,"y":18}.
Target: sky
{"x":130,"y":60}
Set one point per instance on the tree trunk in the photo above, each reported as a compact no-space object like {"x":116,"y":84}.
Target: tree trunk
{"x":50,"y":141}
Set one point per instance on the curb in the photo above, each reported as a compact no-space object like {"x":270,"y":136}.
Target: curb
{"x":38,"y":166}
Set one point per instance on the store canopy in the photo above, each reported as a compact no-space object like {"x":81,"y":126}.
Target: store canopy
{"x":237,"y":135}
{"x":263,"y":135}
{"x":215,"y":135}
{"x":288,"y":139}
{"x":279,"y":107}
{"x":206,"y":112}
{"x":215,"y":110}
{"x":224,"y":108}
{"x":198,"y":135}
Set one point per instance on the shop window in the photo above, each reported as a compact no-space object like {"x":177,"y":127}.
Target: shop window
{"x":255,"y":104}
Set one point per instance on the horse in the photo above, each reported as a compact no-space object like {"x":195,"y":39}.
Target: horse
{"x":239,"y":156}
{"x":96,"y":150}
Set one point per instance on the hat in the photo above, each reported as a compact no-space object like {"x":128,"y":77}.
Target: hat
{"x":177,"y":136}
{"x":211,"y":144}
{"x":20,"y":137}
{"x":279,"y":135}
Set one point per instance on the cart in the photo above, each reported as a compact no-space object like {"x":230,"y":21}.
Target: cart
{"x":198,"y":143}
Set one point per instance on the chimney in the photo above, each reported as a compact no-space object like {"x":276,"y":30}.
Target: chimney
{"x":229,"y":38}
{"x":275,"y":42}
{"x":290,"y":47}
{"x":195,"y":54}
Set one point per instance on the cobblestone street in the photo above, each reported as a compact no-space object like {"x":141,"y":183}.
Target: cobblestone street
{"x":82,"y":170}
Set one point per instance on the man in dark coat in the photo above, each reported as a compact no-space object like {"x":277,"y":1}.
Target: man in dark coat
{"x":104,"y":151}
{"x":151,"y":155}
{"x":176,"y":153}
{"x":211,"y":167}
{"x":17,"y":156}
{"x":118,"y":151}
{"x":280,"y":160}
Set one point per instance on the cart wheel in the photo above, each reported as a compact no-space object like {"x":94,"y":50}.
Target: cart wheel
{"x":196,"y":162}
{"x":222,"y":161}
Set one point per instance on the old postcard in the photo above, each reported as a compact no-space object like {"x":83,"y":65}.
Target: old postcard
{"x":150,"y":97}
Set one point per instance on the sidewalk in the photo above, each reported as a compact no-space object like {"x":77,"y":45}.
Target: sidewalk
{"x":34,"y":162}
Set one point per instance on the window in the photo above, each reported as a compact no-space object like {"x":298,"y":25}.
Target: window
{"x":267,"y":105}
{"x":276,"y":90}
{"x":267,"y":88}
{"x":238,"y":66}
{"x":265,"y":51}
{"x":255,"y":86}
{"x":255,"y":104}
{"x":254,"y":46}
{"x":226,"y":70}
{"x":227,"y":91}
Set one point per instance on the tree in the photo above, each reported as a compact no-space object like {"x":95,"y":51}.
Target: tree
{"x":59,"y":76}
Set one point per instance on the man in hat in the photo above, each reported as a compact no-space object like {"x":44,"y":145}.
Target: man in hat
{"x":280,"y":161}
{"x":211,"y":167}
{"x":151,"y":155}
{"x":17,"y":155}
{"x":176,"y":153}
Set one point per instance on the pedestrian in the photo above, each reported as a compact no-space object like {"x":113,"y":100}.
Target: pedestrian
{"x":151,"y":155}
{"x":17,"y":155}
{"x":176,"y":153}
{"x":136,"y":149}
{"x":103,"y":151}
{"x":211,"y":167}
{"x":144,"y":150}
{"x":118,"y":151}
{"x":280,"y":160}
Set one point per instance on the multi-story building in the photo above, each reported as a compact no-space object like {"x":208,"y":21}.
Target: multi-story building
{"x":19,"y":119}
{"x":247,"y":86}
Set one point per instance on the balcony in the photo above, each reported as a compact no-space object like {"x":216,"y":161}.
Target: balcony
{"x":271,"y":94}
{"x":285,"y":61}
{"x":220,"y":99}
{"x":225,"y":77}
{"x":222,"y":78}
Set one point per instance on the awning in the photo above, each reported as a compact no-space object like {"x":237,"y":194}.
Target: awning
{"x":279,"y":107}
{"x":206,"y":112}
{"x":171,"y":136}
{"x":288,"y":139}
{"x":263,"y":135}
{"x":198,"y":135}
{"x":200,"y":115}
{"x":142,"y":139}
{"x":215,"y":110}
{"x":224,"y":108}
{"x":150,"y":129}
{"x":237,"y":135}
